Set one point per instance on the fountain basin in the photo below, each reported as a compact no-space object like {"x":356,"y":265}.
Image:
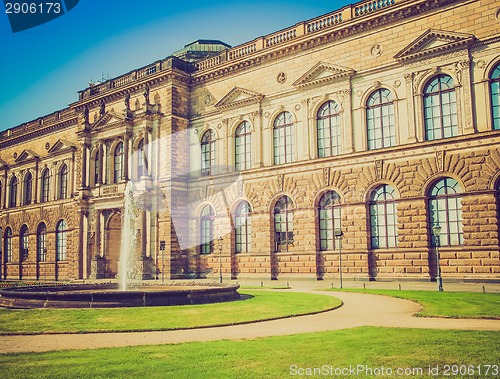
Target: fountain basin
{"x":108,"y":296}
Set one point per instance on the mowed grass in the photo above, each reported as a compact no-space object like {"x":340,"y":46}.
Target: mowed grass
{"x":446,"y":304}
{"x":263,"y":305}
{"x":274,"y":357}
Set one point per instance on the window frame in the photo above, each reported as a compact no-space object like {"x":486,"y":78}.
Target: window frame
{"x":61,"y":240}
{"x":23,"y":244}
{"x":285,"y":210}
{"x":28,"y":189}
{"x":327,"y":226}
{"x":41,"y":243}
{"x":372,"y":125}
{"x":8,"y":245}
{"x":243,"y":228}
{"x":333,"y":121}
{"x":207,"y":221}
{"x":445,"y":227}
{"x":45,"y":186}
{"x":243,"y":137}
{"x":385,"y":209}
{"x":63,"y":182}
{"x":438,"y":96}
{"x":208,"y":152}
{"x":286,"y":139}
{"x":495,"y":121}
{"x":13,"y":192}
{"x":118,"y":162}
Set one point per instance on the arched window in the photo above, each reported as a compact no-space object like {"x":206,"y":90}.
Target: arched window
{"x":284,"y":146}
{"x":495,"y":96}
{"x":440,"y":108}
{"x":208,"y":153}
{"x":243,"y":224}
{"x":383,"y":218}
{"x":283,"y":224}
{"x":207,"y":230}
{"x":1,"y":205}
{"x":380,"y":120}
{"x":41,"y":243}
{"x":45,"y":186}
{"x":141,"y":160}
{"x":446,"y":211}
{"x":328,"y":123}
{"x":8,"y":245}
{"x":243,"y":146}
{"x":119,"y":163}
{"x":97,"y":168}
{"x":28,"y":188}
{"x":61,"y":240}
{"x":23,"y":244}
{"x":63,"y":182}
{"x":329,"y":219}
{"x":13,"y":192}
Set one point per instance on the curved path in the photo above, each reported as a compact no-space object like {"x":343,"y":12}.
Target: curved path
{"x":358,"y":310}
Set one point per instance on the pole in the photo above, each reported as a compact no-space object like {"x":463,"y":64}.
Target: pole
{"x":220,"y":259}
{"x":162,"y":266}
{"x":439,"y":280}
{"x":340,"y":260}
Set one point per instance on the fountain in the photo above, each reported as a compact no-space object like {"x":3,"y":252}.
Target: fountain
{"x":128,"y":246}
{"x":129,"y":292}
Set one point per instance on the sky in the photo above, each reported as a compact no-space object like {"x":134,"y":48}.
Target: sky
{"x":43,"y":68}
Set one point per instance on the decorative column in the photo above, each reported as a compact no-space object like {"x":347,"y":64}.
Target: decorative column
{"x":85,"y":165}
{"x":410,"y":108}
{"x":257,"y":138}
{"x":306,"y":130}
{"x":35,"y":194}
{"x":462,"y":70}
{"x":98,"y":263}
{"x":346,"y":100}
{"x":84,"y":244}
{"x":126,"y":154}
{"x":106,"y":159}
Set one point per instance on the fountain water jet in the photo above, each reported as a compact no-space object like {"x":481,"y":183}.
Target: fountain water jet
{"x":128,"y":247}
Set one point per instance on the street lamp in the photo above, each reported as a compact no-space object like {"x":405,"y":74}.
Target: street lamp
{"x":219,"y":240}
{"x":436,"y":231}
{"x":338,"y":236}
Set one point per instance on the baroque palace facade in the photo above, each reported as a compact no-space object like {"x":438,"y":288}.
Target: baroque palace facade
{"x":381,"y":119}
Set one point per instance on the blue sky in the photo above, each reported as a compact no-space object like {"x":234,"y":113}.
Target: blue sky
{"x":43,"y":68}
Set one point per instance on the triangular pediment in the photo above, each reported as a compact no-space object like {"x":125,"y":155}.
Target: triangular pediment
{"x":26,"y":155}
{"x":322,"y":73}
{"x":434,"y":41}
{"x":108,"y":118}
{"x":61,"y":145}
{"x":238,"y":97}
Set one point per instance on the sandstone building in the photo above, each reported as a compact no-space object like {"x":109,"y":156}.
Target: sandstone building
{"x":381,"y":119}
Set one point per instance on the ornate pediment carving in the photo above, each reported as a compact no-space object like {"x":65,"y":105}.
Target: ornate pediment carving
{"x":434,"y":42}
{"x":108,"y":118}
{"x":61,"y":145}
{"x":3,"y":163}
{"x":26,"y":155}
{"x":322,"y":73}
{"x":238,"y":97}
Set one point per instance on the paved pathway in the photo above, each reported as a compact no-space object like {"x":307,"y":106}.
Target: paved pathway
{"x":358,"y":310}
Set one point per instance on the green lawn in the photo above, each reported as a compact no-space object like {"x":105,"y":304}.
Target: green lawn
{"x":263,"y":305}
{"x":446,"y":304}
{"x":275,"y":357}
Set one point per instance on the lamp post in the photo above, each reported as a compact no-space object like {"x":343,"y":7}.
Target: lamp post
{"x":219,"y":240}
{"x":338,"y":236}
{"x":436,"y":231}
